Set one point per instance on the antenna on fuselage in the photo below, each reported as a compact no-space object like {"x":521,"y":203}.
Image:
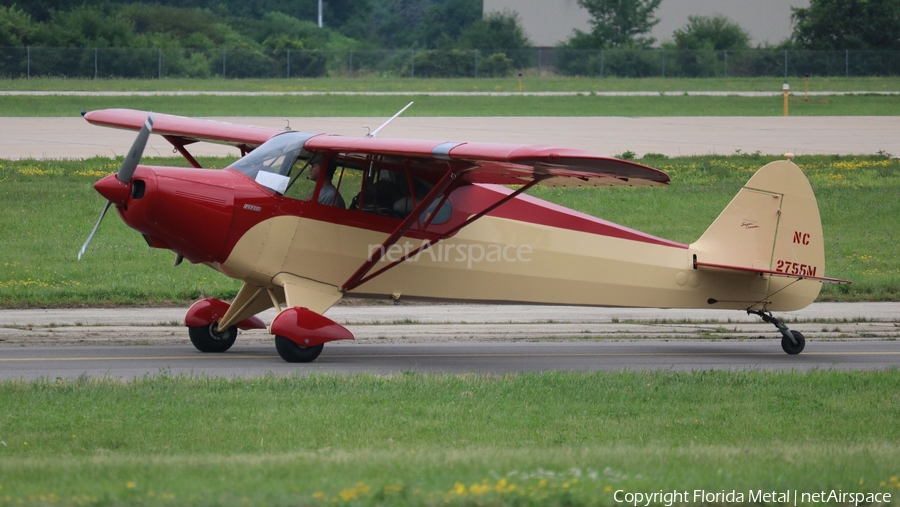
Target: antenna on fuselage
{"x":372,"y":134}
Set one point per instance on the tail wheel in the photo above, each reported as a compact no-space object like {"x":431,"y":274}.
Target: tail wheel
{"x":293,"y":353}
{"x":209,"y":339}
{"x":793,"y":348}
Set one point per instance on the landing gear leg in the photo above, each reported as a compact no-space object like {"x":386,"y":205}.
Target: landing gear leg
{"x":792,"y":342}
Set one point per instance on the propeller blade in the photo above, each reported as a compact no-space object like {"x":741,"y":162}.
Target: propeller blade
{"x":96,"y":226}
{"x":134,"y":154}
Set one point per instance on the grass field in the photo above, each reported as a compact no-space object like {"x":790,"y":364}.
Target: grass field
{"x":529,"y":83}
{"x":357,"y":105}
{"x":528,"y":439}
{"x":50,"y":207}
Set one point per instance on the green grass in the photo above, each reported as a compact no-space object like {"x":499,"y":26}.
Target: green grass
{"x":50,"y":207}
{"x":356,"y":105}
{"x":530,"y":83}
{"x":527,"y":439}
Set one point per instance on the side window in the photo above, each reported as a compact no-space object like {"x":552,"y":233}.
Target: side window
{"x":300,"y":186}
{"x":348,"y":182}
{"x":338,"y":181}
{"x":391,"y":193}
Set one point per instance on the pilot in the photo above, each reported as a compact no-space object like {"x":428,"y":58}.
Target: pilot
{"x":328,"y":194}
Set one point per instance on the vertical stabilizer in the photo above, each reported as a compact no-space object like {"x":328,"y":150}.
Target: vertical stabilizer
{"x":771,"y":225}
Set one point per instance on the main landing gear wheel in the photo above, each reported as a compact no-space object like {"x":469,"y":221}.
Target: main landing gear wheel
{"x":209,"y":339}
{"x":793,"y":348}
{"x":293,"y":353}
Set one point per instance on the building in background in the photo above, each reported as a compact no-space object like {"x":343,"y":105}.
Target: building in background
{"x":549,"y":22}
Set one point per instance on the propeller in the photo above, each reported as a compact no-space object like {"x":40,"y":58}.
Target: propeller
{"x":126,"y":171}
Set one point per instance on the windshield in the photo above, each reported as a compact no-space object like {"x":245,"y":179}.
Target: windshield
{"x":270,"y":164}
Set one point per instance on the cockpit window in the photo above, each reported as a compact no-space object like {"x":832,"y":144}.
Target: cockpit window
{"x":396,"y":193}
{"x":270,"y":164}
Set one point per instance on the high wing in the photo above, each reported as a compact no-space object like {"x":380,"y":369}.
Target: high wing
{"x":182,"y":131}
{"x":503,"y":164}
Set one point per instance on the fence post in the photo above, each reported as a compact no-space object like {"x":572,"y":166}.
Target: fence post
{"x":785,"y":63}
{"x":28,"y":70}
{"x":95,"y":63}
{"x":159,"y":55}
{"x":350,"y":64}
{"x":663,"y":63}
{"x":288,"y":63}
{"x":846,"y":63}
{"x":413,"y":68}
{"x":476,"y":64}
{"x":539,"y":62}
{"x":223,"y":64}
{"x":602,"y":55}
{"x":726,"y":63}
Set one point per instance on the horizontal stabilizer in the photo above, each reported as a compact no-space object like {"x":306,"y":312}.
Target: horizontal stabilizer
{"x":794,"y":271}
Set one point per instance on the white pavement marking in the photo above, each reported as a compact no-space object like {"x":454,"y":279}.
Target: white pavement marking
{"x":74,"y":138}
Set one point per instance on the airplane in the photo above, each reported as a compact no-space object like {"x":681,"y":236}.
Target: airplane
{"x":441,"y":221}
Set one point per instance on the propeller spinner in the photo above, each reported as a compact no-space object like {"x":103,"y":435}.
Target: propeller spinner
{"x":116,"y":190}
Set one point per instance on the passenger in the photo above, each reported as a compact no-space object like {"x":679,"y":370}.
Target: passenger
{"x":328,"y":194}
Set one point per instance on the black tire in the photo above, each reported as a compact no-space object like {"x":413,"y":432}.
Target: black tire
{"x":208,"y":339}
{"x":293,"y":353}
{"x":791,"y":348}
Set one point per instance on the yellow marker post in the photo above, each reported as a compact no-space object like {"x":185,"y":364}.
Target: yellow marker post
{"x":786,"y":90}
{"x":806,"y":89}
{"x":520,"y":81}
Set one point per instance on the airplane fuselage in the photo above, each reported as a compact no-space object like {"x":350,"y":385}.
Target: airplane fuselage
{"x":527,"y":250}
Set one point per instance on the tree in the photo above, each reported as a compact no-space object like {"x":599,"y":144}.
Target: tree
{"x":847,"y":24}
{"x":444,"y":22}
{"x":16,"y":27}
{"x":496,"y":32}
{"x":713,"y":32}
{"x":617,"y":23}
{"x":86,"y":27}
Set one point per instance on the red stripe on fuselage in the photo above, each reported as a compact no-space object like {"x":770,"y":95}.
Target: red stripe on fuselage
{"x":466,"y":201}
{"x":537,"y":211}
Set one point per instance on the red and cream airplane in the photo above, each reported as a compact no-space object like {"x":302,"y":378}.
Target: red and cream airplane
{"x":445,"y":221}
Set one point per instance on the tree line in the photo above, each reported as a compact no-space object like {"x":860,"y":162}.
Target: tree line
{"x":443,"y":33}
{"x":416,"y":24}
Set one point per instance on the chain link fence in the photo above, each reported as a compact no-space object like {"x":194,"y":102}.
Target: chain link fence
{"x":150,"y":63}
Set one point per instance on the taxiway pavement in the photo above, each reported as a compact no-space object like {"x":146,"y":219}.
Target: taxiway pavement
{"x":75,"y":138}
{"x":127,"y":343}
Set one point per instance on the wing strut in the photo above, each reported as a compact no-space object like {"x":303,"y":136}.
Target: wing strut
{"x":363,"y":279}
{"x":179,"y":145}
{"x":359,"y":276}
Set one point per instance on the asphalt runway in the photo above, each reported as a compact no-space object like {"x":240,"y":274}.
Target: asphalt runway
{"x":487,"y":339}
{"x":75,"y":138}
{"x":482,"y":358}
